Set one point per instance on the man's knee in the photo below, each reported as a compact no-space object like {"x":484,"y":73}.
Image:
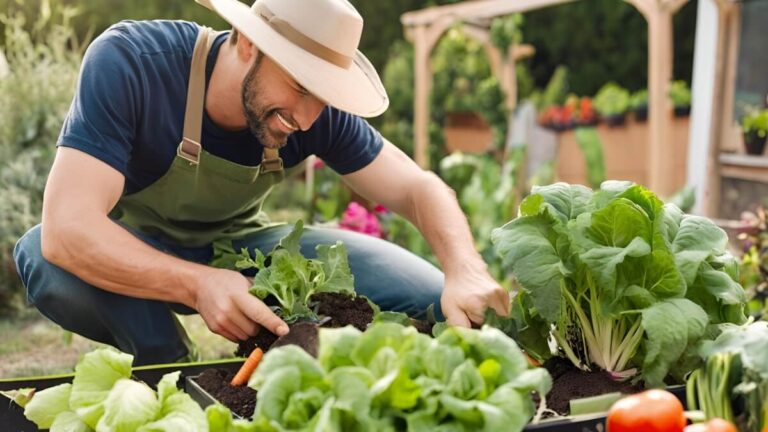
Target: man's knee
{"x":45,"y":282}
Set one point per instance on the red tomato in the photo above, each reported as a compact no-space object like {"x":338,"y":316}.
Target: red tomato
{"x":714,"y":425}
{"x":649,"y":411}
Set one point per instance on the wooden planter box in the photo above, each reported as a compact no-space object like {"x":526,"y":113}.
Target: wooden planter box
{"x":625,"y":151}
{"x":467,"y":132}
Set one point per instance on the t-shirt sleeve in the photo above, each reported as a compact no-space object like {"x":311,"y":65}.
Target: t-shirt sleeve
{"x":351,"y":142}
{"x":103,"y":116}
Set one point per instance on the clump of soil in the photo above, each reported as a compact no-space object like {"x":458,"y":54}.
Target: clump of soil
{"x":240,"y":399}
{"x":568,"y":382}
{"x":344,"y":310}
{"x":341,"y":308}
{"x":304,"y":334}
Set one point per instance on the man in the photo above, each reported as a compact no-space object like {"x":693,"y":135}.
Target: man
{"x":176,"y":135}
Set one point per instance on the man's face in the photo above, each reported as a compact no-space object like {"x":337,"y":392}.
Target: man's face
{"x":275,"y":105}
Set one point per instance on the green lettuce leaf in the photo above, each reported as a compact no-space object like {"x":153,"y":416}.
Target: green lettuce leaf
{"x":95,"y":375}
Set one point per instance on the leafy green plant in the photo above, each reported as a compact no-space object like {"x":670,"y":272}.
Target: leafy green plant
{"x":507,"y":31}
{"x":639,"y":99}
{"x":611,"y":100}
{"x":753,"y":266}
{"x":617,"y":280}
{"x":734,"y":377}
{"x":556,"y":90}
{"x":679,"y":93}
{"x":463,"y":82}
{"x":590,"y":144}
{"x":393,"y":378}
{"x":102,"y":396}
{"x":290,"y":278}
{"x":755,"y":123}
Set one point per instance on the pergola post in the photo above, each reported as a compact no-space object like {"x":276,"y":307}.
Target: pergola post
{"x":658,"y":14}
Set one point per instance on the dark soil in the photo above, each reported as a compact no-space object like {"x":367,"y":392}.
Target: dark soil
{"x":341,"y":308}
{"x":304,"y":334}
{"x":240,"y":399}
{"x":344,"y":310}
{"x":423,"y":326}
{"x":568,"y":383}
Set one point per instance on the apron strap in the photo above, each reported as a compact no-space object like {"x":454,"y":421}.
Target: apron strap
{"x":271,"y":161}
{"x":190,"y":147}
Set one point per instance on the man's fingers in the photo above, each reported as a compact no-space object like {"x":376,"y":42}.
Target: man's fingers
{"x":456,"y":317}
{"x":245,"y":325}
{"x":500,"y":302}
{"x":263,"y":315}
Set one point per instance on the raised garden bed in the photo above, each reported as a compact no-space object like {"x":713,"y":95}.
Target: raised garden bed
{"x":12,"y":416}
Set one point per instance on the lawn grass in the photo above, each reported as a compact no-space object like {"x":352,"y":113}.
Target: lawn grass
{"x":32,"y":345}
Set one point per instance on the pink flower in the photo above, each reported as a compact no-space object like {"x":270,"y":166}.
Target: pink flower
{"x":380,"y":209}
{"x":358,"y":218}
{"x":318,"y":164}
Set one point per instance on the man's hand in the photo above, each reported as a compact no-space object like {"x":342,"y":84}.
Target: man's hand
{"x":228,"y":309}
{"x":468,"y":294}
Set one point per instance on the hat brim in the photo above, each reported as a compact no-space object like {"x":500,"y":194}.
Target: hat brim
{"x":357,"y":90}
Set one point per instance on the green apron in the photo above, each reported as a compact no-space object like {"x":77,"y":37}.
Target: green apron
{"x":203,"y":198}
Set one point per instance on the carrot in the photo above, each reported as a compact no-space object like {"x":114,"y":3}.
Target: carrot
{"x":246,"y":370}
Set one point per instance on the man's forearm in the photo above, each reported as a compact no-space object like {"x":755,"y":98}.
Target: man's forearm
{"x":436,"y":213}
{"x":104,"y":254}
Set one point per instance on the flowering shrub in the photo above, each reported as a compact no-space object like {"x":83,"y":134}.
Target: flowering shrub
{"x":358,"y":218}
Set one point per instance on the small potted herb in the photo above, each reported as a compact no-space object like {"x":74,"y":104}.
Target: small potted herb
{"x":680,"y":95}
{"x":611,"y":103}
{"x":638,"y":103}
{"x":754,"y":126}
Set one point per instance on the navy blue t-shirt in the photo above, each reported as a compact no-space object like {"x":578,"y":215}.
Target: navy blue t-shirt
{"x":128,"y":109}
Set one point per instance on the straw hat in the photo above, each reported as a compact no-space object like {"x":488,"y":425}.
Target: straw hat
{"x":315,"y":41}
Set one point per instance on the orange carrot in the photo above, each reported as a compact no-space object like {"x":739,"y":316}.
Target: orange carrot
{"x":246,"y":370}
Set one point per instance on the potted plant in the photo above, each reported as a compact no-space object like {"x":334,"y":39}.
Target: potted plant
{"x":680,"y":95}
{"x":586,"y":115}
{"x":611,"y":103}
{"x":466,"y":95}
{"x":754,"y":126}
{"x":638,"y":103}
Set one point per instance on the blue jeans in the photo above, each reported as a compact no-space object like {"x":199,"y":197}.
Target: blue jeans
{"x":390,"y":276}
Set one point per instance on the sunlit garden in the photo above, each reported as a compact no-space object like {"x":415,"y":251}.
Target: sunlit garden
{"x":609,"y":157}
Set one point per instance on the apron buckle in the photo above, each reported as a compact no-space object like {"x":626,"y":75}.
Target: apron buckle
{"x":189,"y":150}
{"x":272,"y":165}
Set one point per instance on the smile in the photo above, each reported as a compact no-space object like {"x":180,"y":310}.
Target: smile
{"x":285,"y":123}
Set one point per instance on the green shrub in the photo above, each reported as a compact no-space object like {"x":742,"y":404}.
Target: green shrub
{"x":43,"y":61}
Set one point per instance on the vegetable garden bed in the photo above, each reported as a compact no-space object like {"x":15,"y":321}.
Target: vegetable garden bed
{"x":12,"y":415}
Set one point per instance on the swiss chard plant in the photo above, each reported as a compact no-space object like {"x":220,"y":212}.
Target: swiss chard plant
{"x":614,"y":279}
{"x":393,"y":378}
{"x":285,"y":274}
{"x":734,"y":378}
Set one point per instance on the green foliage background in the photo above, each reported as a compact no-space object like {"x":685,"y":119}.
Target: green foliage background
{"x":597,"y":40}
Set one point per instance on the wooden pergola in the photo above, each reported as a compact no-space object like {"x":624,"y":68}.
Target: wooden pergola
{"x":425,"y":27}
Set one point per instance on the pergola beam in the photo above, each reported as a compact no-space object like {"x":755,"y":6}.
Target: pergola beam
{"x":475,"y":9}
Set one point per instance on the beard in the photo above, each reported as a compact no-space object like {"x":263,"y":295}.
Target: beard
{"x":257,"y":114}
